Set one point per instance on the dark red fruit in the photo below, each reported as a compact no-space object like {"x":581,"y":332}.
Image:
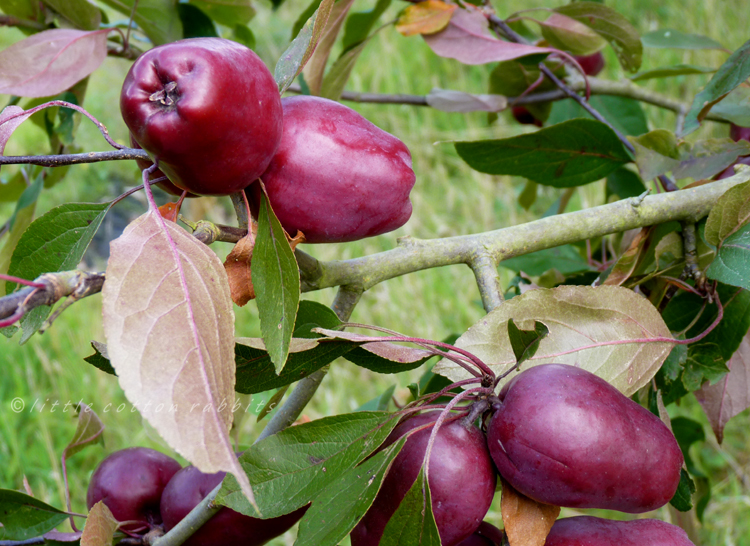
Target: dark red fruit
{"x":486,"y":535}
{"x":130,"y":482}
{"x":208,"y":108}
{"x":729,"y":171}
{"x":167,"y":186}
{"x":738,"y":133}
{"x":524,"y":117}
{"x":591,"y":64}
{"x":336,"y":176}
{"x":563,"y":436}
{"x":190,"y":486}
{"x":462,"y":480}
{"x":591,"y":531}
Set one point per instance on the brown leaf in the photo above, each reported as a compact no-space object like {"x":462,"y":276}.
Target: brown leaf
{"x":425,"y":17}
{"x":7,"y":127}
{"x":315,"y":67}
{"x":88,"y":431}
{"x":527,"y":522}
{"x":100,"y":526}
{"x":169,"y":323}
{"x":294,"y":241}
{"x":237,"y":266}
{"x":627,"y":263}
{"x":49,"y":62}
{"x":169,"y":211}
{"x":590,"y":328}
{"x":731,"y":394}
{"x":468,"y":39}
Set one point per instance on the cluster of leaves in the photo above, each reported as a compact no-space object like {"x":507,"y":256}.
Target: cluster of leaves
{"x":608,"y":328}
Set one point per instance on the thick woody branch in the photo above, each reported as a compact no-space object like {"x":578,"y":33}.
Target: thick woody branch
{"x":360,"y":274}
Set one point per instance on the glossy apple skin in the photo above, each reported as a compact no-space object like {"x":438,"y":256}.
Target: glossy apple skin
{"x":190,"y":486}
{"x":336,"y":177}
{"x":167,"y":186}
{"x":486,"y":535}
{"x":462,"y":481}
{"x":738,"y":133}
{"x":208,"y":108}
{"x":563,"y":436}
{"x":729,"y":171}
{"x":591,"y":531}
{"x":592,"y":64}
{"x":524,"y":117}
{"x":130,"y":482}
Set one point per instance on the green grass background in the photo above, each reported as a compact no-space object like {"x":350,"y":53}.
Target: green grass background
{"x":449,"y":199}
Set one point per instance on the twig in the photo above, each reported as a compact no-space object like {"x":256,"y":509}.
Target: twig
{"x":488,"y":281}
{"x":10,"y":21}
{"x":74,"y":159}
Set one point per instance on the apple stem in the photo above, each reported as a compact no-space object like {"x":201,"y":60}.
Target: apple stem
{"x":167,"y":95}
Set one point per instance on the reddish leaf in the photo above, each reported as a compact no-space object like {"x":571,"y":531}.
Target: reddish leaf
{"x":527,"y":522}
{"x":169,"y":211}
{"x":49,"y":62}
{"x":100,"y":526}
{"x":627,"y":263}
{"x":425,"y":17}
{"x":169,"y":325}
{"x":468,"y":39}
{"x":7,"y":127}
{"x":731,"y":395}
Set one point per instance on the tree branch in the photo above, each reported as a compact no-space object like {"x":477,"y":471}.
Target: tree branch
{"x":74,"y":159}
{"x":488,"y":281}
{"x":361,"y":274}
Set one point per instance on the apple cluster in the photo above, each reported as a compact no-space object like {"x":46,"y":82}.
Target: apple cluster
{"x":208,"y":110}
{"x":149,"y":490}
{"x":559,"y":435}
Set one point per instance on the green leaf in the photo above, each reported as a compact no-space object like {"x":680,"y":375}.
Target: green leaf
{"x":706,"y":158}
{"x":303,"y":18}
{"x":682,"y":499}
{"x":672,"y":71}
{"x":670,"y":38}
{"x":11,"y":190}
{"x":565,"y":33}
{"x":337,"y":76}
{"x":338,"y":508}
{"x":728,"y":215}
{"x":526,"y":342}
{"x":257,"y":373}
{"x":569,"y":154}
{"x":243,"y":35}
{"x":291,"y":468}
{"x":227,"y":12}
{"x":195,"y":23}
{"x":100,"y":359}
{"x":293,"y":60}
{"x":359,"y":24}
{"x":159,"y":19}
{"x":277,"y":284}
{"x":610,"y":25}
{"x":27,"y":199}
{"x":57,"y":240}
{"x":413,"y":522}
{"x":566,"y":259}
{"x":81,"y":13}
{"x":730,"y":264}
{"x":731,"y":74}
{"x":687,"y":432}
{"x":513,"y":78}
{"x":735,"y":107}
{"x":626,"y":115}
{"x":272,"y":402}
{"x":379,"y":403}
{"x":668,"y":378}
{"x":377,"y":363}
{"x":24,"y":517}
{"x":25,"y":9}
{"x":625,"y":183}
{"x":23,"y":219}
{"x":656,"y":152}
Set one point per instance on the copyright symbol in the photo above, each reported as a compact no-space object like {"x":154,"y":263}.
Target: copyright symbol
{"x":17,"y":405}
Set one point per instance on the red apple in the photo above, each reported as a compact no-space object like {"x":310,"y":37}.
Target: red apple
{"x":166,"y":185}
{"x":524,"y":117}
{"x":190,"y":486}
{"x":130,"y":482}
{"x":591,"y":531}
{"x":462,"y":480}
{"x":591,"y":64}
{"x":566,"y":437}
{"x":336,"y":177}
{"x":208,"y":109}
{"x":738,"y":133}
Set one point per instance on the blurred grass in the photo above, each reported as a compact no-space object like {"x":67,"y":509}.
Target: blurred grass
{"x":449,"y":199}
